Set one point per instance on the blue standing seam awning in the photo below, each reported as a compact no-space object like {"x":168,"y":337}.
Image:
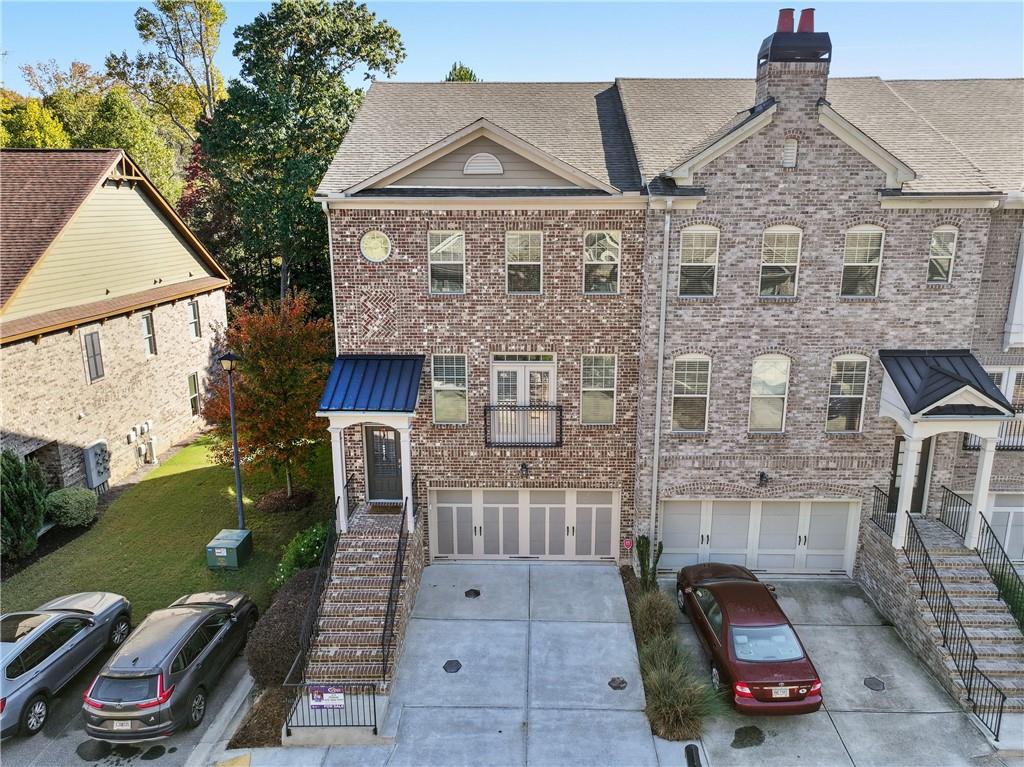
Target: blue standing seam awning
{"x":373,"y":383}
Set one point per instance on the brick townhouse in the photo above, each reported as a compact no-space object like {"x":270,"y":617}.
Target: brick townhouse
{"x":757,"y":320}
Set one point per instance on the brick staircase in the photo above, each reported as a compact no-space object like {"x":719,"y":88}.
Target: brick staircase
{"x":985,"y":617}
{"x":347,"y":644}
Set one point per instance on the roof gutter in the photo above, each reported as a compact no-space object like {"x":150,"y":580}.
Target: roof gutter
{"x":656,"y":458}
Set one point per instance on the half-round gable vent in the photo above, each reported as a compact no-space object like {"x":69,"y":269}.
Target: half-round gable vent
{"x":483,"y":164}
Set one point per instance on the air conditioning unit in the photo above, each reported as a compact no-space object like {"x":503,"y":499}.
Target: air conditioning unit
{"x":97,"y":464}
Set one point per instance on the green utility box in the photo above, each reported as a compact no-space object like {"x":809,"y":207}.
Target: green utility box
{"x":229,"y":550}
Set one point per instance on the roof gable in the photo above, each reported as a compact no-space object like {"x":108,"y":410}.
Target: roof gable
{"x":738,"y":129}
{"x":943,"y":382}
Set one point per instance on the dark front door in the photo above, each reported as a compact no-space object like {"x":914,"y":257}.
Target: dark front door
{"x":383,"y":464}
{"x":917,"y":498}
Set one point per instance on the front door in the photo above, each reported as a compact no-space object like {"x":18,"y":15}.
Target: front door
{"x":919,"y":498}
{"x":383,"y":464}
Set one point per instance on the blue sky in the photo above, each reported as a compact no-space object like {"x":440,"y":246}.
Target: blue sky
{"x":587,"y":41}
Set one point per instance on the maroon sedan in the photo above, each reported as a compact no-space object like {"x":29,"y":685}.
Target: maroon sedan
{"x":753,"y":647}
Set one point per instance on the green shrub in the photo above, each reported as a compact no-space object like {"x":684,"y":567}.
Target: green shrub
{"x":274,"y":641}
{"x":678,"y":700}
{"x":22,"y":505}
{"x":302,"y":551}
{"x":654,"y":615}
{"x":71,"y":506}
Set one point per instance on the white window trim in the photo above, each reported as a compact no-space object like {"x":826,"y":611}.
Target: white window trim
{"x":465,"y":270}
{"x":198,"y":395}
{"x":195,"y":324}
{"x":146,"y":338}
{"x":83,"y":332}
{"x":793,"y":142}
{"x":433,"y":389}
{"x":539,"y":262}
{"x":707,"y":396}
{"x":782,"y":229}
{"x":699,"y":229}
{"x":864,"y":395}
{"x":952,"y":253}
{"x":785,"y":394}
{"x":615,"y":390}
{"x":861,"y":228}
{"x":618,"y":262}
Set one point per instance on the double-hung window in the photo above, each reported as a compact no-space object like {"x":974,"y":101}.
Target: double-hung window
{"x":690,"y":386}
{"x":862,"y":261}
{"x":446,"y":254}
{"x":601,"y":254}
{"x":846,"y":391}
{"x":193,"y":393}
{"x":93,"y":355}
{"x":940,"y":255}
{"x":148,"y":333}
{"x":523,"y":262}
{"x":780,"y":260}
{"x":698,"y":261}
{"x":195,"y":325}
{"x":448,"y":383}
{"x":597,"y":389}
{"x":769,"y":387}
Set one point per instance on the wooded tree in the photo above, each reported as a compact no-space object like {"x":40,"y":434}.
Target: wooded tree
{"x":269,"y":144}
{"x":285,"y":356}
{"x":26,"y":123}
{"x":72,"y":95}
{"x":22,"y":504}
{"x":460,"y":73}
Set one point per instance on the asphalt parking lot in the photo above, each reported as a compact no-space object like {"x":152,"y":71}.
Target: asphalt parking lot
{"x":63,"y":741}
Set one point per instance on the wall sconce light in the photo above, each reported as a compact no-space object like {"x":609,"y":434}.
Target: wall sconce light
{"x":762,"y":479}
{"x":524,"y":469}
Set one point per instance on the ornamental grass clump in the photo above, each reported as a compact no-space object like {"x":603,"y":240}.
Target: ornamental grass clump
{"x":654,"y":616}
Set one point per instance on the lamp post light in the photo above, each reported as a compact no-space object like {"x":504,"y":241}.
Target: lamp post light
{"x":229,"y":362}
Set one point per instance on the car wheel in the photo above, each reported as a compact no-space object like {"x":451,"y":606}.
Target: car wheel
{"x":119,"y":631}
{"x":197,"y":708}
{"x":250,"y":624}
{"x":681,"y":600}
{"x":716,"y":679}
{"x":34,"y":717}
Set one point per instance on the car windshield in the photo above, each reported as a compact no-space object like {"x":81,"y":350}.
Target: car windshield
{"x":120,"y":689}
{"x":765,"y":643}
{"x":14,"y":627}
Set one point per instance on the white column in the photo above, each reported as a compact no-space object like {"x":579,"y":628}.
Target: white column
{"x":405,"y":436}
{"x":979,"y":502}
{"x":911,"y":455}
{"x":338,"y":463}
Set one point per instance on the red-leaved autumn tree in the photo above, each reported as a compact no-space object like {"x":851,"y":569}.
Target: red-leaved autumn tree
{"x":285,"y":358}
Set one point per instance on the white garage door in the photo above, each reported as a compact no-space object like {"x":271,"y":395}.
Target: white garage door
{"x":484,"y":523}
{"x":774,"y":536}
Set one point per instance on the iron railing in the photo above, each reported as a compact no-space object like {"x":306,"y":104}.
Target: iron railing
{"x":987,"y":700}
{"x":350,"y":500}
{"x":883,"y":511}
{"x":1011,"y":434}
{"x":954,"y":511}
{"x":523,"y":425}
{"x":387,"y":635}
{"x":1004,"y":574}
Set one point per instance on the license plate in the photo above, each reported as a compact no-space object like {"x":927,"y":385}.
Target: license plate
{"x":122,"y":724}
{"x":780,"y":692}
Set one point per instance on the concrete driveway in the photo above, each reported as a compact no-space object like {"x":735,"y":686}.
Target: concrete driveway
{"x":911,"y":721}
{"x":536,"y":651}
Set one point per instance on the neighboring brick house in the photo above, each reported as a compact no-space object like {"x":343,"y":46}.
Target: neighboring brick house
{"x":109,"y":310}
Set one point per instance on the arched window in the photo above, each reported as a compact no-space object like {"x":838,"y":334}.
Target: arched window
{"x":780,"y":260}
{"x":691,"y":383}
{"x":941,"y":253}
{"x":848,"y":382}
{"x":769,"y":387}
{"x":698,"y":261}
{"x":862,"y":261}
{"x":482,"y":164}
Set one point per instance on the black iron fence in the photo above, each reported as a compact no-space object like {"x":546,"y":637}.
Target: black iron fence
{"x":987,"y":700}
{"x":1004,"y":574}
{"x":523,"y":425}
{"x":1011,"y":434}
{"x":333,"y":705}
{"x":883,"y":511}
{"x":954,"y":511}
{"x":387,"y":636}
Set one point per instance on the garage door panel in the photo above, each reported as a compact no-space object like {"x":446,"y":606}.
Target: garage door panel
{"x":584,"y":530}
{"x":445,"y":540}
{"x":603,"y":531}
{"x":510,"y":532}
{"x":556,"y":531}
{"x":464,"y":529}
{"x":777,"y":535}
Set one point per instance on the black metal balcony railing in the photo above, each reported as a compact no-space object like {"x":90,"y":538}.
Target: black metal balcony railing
{"x":1011,"y":435}
{"x":523,"y":425}
{"x":883,"y":511}
{"x":954,"y":511}
{"x":1002,"y":570}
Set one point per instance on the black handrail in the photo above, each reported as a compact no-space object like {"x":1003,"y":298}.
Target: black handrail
{"x":387,"y":635}
{"x":350,"y":501}
{"x":1011,"y":434}
{"x":986,"y":698}
{"x":883,"y":511}
{"x":1004,"y":574}
{"x":954,"y":511}
{"x":523,"y":425}
{"x":308,"y":631}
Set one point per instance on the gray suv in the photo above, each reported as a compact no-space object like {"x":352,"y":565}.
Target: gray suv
{"x":43,"y":650}
{"x":158,"y":682}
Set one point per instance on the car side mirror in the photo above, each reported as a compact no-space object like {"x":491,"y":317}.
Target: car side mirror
{"x":770,"y":587}
{"x":234,"y":617}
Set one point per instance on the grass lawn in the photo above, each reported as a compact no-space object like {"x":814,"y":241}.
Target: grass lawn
{"x":150,"y":545}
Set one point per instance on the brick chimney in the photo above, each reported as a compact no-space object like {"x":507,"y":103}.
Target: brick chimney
{"x":792,"y":65}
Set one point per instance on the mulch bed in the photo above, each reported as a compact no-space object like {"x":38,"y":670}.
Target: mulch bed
{"x":278,"y":502}
{"x":261,"y":727}
{"x":52,"y":540}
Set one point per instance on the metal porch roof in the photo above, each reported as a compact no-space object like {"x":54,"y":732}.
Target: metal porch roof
{"x":924,"y":377}
{"x":377,"y":383}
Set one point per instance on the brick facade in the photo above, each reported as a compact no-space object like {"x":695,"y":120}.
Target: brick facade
{"x":51,"y":407}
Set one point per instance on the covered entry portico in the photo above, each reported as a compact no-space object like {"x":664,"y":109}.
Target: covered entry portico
{"x":378,"y":393}
{"x":930,"y":392}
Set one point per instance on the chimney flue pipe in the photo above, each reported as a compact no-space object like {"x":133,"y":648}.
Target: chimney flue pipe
{"x":785,"y":20}
{"x":806,"y":20}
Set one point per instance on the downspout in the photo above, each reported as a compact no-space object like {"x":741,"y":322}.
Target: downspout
{"x":661,"y":369}
{"x":330,"y":266}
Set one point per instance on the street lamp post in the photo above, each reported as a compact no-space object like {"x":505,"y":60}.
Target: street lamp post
{"x":229,"y":362}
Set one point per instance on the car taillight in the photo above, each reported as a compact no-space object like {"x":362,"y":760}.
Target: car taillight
{"x":162,"y":695}
{"x":87,"y":696}
{"x":3,"y":704}
{"x":742,"y":690}
{"x":815,"y":686}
